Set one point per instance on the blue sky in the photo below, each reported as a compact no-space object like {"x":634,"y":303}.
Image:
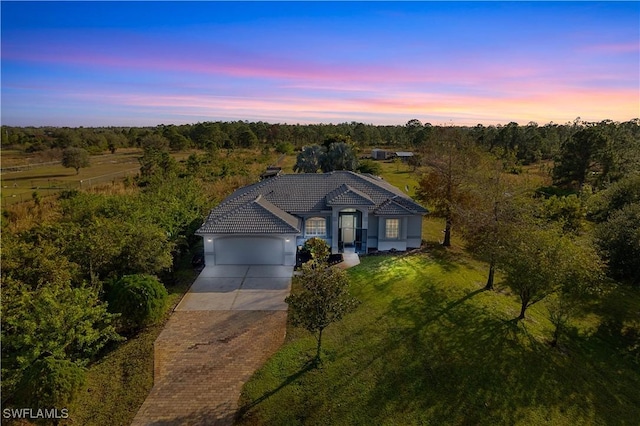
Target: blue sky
{"x":146,"y":63}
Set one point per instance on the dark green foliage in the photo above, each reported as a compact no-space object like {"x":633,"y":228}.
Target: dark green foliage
{"x":445,"y":185}
{"x":339,"y":156}
{"x":194,"y":163}
{"x":526,"y":144}
{"x":416,"y":133}
{"x":540,"y":262}
{"x":549,"y":191}
{"x":50,"y":383}
{"x":568,"y":211}
{"x":619,"y":239}
{"x":111,"y":236}
{"x":308,"y":160}
{"x":155,"y":142}
{"x":53,"y":319}
{"x":488,"y":220}
{"x":598,"y":154}
{"x":620,"y":194}
{"x":75,"y":158}
{"x":247,"y":139}
{"x":156,"y":164}
{"x":317,"y":248}
{"x":284,"y":148}
{"x":323,"y":299}
{"x":578,"y":157}
{"x":369,"y":166}
{"x":177,"y":141}
{"x":36,"y":261}
{"x":140,"y":299}
{"x":335,"y":138}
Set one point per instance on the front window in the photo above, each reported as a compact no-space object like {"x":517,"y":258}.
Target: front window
{"x":316,"y":226}
{"x":392,"y":228}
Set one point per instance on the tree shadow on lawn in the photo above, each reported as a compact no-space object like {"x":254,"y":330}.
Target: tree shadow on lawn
{"x":243,"y":412}
{"x":448,"y":259}
{"x":619,"y":309}
{"x":453,"y":362}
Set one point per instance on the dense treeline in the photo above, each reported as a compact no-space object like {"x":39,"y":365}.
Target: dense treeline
{"x":528,"y":143}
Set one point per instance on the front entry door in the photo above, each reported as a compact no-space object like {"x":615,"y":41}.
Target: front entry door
{"x":348,"y":228}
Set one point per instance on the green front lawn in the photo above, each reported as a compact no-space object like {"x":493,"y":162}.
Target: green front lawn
{"x":428,"y":346}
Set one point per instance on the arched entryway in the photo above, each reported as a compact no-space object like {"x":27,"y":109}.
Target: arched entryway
{"x":351,"y":236}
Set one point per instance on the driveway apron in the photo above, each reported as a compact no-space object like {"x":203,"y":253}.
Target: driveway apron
{"x":232,"y":319}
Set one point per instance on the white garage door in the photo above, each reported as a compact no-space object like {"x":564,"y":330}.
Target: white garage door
{"x":249,"y":251}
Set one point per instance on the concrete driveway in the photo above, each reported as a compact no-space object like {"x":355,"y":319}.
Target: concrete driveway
{"x":239,"y":288}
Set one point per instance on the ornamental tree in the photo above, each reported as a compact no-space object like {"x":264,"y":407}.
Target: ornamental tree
{"x":322,"y":299}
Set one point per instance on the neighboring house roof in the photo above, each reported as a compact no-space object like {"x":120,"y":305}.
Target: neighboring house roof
{"x":404,"y":154}
{"x":258,"y":216}
{"x":268,"y":206}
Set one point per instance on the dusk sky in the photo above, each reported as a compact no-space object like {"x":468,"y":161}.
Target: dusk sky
{"x":147,"y":63}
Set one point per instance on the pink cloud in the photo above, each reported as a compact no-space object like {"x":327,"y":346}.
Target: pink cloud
{"x":560,"y":106}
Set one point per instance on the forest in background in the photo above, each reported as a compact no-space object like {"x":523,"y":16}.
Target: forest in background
{"x":528,"y":143}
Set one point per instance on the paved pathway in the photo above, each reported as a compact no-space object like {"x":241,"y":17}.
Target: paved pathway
{"x":239,"y":287}
{"x":227,"y":325}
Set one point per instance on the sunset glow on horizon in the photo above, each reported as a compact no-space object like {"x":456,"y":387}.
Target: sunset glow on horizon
{"x":147,"y":63}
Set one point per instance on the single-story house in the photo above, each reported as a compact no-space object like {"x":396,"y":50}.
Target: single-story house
{"x":266,"y":223}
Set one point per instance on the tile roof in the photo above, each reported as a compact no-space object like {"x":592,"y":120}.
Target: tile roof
{"x":392,"y":208}
{"x":258,"y":216}
{"x":346,"y":195}
{"x":244,"y":211}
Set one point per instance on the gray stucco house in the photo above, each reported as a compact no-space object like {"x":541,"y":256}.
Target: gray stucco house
{"x":266,"y":222}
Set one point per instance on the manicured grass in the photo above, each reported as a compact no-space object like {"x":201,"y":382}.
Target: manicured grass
{"x":428,"y":346}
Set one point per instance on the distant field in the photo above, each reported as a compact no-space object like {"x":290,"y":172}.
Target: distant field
{"x":48,"y":179}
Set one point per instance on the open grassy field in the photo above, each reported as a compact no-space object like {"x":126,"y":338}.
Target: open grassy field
{"x":48,"y":179}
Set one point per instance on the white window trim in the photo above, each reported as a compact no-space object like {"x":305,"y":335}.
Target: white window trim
{"x":386,"y":229}
{"x":315,"y":234}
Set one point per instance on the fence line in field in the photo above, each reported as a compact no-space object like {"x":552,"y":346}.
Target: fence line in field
{"x":27,"y":166}
{"x":53,"y":186}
